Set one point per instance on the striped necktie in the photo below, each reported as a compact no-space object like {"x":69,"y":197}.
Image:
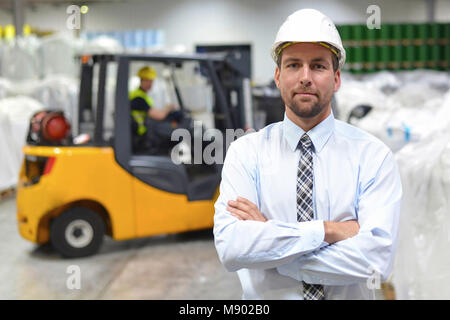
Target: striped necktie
{"x":305,"y":211}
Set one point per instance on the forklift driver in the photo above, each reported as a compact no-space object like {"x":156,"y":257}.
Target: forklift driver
{"x":161,"y":122}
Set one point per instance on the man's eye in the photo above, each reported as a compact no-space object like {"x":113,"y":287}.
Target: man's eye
{"x":292,"y":65}
{"x":319,"y":66}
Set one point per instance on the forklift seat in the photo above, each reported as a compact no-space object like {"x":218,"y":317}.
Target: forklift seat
{"x":162,"y":173}
{"x":147,"y":143}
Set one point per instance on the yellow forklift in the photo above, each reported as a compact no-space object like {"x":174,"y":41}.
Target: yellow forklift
{"x":72,"y":193}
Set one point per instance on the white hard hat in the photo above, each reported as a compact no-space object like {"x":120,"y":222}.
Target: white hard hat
{"x":309,"y":25}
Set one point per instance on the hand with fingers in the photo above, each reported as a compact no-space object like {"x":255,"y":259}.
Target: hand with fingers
{"x":244,"y":209}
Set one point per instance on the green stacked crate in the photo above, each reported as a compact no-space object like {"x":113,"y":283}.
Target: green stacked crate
{"x":445,"y":40}
{"x":433,"y":43}
{"x":409,"y":55}
{"x":371,"y":49}
{"x":385,"y":55}
{"x":396,"y":47}
{"x":346,"y":36}
{"x":422,"y":47}
{"x":358,"y":32}
{"x":441,"y":42}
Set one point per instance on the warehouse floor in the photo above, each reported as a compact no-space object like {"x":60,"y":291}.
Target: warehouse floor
{"x":183,"y":266}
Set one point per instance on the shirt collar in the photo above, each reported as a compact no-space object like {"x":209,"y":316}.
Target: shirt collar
{"x":319,"y":134}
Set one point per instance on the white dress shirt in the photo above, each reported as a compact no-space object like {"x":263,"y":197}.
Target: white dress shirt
{"x":355,"y":177}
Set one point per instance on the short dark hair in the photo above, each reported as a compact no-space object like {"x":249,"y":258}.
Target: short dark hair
{"x":334,"y":58}
{"x":335,"y":62}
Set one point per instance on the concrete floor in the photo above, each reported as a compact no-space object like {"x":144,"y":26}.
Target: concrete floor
{"x":183,"y":266}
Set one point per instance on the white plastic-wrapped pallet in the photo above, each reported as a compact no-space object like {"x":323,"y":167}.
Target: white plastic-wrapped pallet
{"x":400,"y":125}
{"x":15,"y":115}
{"x":353,"y":93}
{"x":439,"y":80}
{"x":421,"y":267}
{"x":2,"y":44}
{"x":408,"y":114}
{"x":5,"y":88}
{"x":413,"y":95}
{"x":57,"y":54}
{"x":384,"y":81}
{"x":8,"y":178}
{"x":19,"y":62}
{"x":56,"y":92}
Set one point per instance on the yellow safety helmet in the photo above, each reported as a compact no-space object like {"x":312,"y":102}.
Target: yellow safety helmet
{"x":147,"y":73}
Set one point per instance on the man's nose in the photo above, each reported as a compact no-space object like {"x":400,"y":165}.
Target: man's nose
{"x":305,"y":76}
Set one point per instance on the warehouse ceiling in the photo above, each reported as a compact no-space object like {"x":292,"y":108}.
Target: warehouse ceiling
{"x":7,"y":4}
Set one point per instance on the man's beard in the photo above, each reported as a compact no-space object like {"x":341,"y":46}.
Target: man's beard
{"x":316,"y":109}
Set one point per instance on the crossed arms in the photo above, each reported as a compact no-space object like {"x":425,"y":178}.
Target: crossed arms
{"x":243,"y":209}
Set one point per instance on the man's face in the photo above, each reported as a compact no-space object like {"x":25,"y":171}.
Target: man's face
{"x":146,"y":85}
{"x":306,"y":79}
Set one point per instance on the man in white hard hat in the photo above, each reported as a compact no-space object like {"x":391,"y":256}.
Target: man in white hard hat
{"x":309,"y":206}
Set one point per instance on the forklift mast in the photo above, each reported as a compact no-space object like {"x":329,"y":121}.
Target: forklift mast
{"x":87,"y":121}
{"x":238,"y":90}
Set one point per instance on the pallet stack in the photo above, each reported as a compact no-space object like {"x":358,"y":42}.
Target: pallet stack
{"x":8,"y":193}
{"x":403,"y":46}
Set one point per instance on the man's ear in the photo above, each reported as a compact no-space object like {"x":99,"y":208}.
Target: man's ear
{"x":337,"y":80}
{"x":277,"y":77}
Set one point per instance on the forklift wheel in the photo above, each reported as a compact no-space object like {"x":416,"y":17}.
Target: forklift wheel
{"x":77,"y":232}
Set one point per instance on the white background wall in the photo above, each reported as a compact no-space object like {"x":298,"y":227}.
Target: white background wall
{"x":191,"y":22}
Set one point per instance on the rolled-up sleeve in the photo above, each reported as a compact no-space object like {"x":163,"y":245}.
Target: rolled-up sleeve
{"x":371,"y":252}
{"x":254,"y":244}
